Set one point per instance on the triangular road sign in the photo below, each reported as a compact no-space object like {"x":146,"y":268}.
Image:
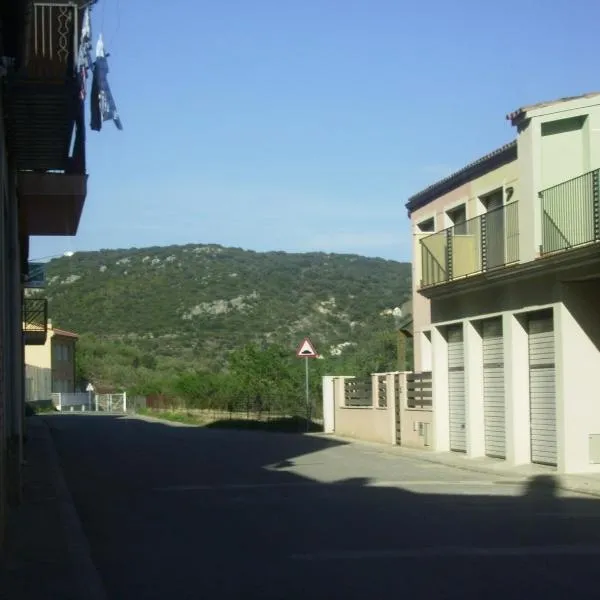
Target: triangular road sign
{"x":306,"y":349}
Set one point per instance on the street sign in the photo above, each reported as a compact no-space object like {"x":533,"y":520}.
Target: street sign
{"x":306,"y":350}
{"x":89,"y":388}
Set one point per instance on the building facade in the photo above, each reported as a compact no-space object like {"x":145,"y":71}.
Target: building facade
{"x":43,"y":184}
{"x":506,"y":281}
{"x":51,"y":367}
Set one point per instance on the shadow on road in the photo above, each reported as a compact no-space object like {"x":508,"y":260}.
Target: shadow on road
{"x":184,"y":512}
{"x":283,"y":425}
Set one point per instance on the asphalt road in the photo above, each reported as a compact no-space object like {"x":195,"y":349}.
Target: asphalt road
{"x":181,"y":512}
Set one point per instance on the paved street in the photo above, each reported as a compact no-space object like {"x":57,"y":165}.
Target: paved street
{"x":183,"y":512}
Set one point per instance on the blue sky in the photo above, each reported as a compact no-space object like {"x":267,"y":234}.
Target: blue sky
{"x":298,"y":126}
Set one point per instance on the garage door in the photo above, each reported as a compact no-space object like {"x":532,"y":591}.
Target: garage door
{"x":493,"y":388}
{"x":456,"y":388}
{"x":542,"y":388}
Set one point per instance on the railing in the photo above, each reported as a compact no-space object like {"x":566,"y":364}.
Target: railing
{"x":571,"y":213}
{"x":77,"y":160}
{"x":419,"y":390}
{"x":35,"y":315}
{"x":358,"y":393}
{"x":481,"y":244}
{"x":54,"y":40}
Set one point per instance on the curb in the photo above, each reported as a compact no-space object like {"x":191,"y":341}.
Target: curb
{"x":422,"y":456}
{"x":89,"y":583}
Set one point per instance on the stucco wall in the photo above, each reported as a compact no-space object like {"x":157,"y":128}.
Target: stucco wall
{"x":369,"y":424}
{"x":412,"y":435}
{"x":577,"y":326}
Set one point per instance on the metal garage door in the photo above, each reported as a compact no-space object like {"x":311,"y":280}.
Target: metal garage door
{"x":493,"y":388}
{"x":542,"y":389}
{"x":456,"y":388}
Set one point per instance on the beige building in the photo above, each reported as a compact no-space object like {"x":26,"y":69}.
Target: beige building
{"x":506,"y":293}
{"x":50,"y":367}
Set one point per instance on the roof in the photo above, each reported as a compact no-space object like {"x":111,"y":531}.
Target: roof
{"x":63,"y":333}
{"x":520,"y":112}
{"x":501,"y":156}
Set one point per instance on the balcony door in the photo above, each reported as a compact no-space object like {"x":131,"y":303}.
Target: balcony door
{"x":495,"y":235}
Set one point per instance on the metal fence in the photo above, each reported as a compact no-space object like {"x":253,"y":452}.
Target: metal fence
{"x":571,"y":213}
{"x":257,"y":408}
{"x":89,"y":402}
{"x":481,"y":244}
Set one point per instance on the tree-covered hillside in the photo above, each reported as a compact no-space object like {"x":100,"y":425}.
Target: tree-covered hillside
{"x":181,"y":307}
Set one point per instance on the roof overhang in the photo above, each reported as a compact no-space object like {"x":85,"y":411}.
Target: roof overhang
{"x":553,"y":106}
{"x":499,"y":157}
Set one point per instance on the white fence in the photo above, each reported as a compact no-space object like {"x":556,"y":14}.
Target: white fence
{"x":90,"y":402}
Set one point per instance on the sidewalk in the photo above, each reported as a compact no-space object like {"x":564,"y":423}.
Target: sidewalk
{"x":583,"y":484}
{"x":46,"y":554}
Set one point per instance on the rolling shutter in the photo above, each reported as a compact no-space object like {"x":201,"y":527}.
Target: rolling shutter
{"x":456,"y":388}
{"x":542,"y":389}
{"x":493,"y":388}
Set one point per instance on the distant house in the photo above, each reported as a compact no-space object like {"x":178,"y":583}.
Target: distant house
{"x":51,"y":367}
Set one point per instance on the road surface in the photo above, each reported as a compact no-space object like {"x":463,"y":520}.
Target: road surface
{"x":184,"y":512}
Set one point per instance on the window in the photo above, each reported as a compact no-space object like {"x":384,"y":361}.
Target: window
{"x":493,"y":200}
{"x":458,"y":219}
{"x":427,"y":226}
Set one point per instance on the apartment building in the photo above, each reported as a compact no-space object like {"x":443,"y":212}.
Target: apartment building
{"x":43,"y":184}
{"x":506,"y":289}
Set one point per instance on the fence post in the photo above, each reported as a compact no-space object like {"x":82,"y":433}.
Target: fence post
{"x":124,"y":402}
{"x":390,"y":379}
{"x":95,"y":400}
{"x":59,"y":402}
{"x":374,"y":391}
{"x":328,"y":404}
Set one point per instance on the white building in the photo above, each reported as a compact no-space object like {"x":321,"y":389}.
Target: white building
{"x":506,"y":298}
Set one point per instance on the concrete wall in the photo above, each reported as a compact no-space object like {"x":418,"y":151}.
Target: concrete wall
{"x":416,"y":427}
{"x":376,"y":424}
{"x":577,"y":326}
{"x":38,"y":383}
{"x":372,"y":424}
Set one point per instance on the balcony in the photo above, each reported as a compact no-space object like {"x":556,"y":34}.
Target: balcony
{"x":485,"y":243}
{"x":35,"y":321}
{"x":571,"y":214}
{"x":43,"y":92}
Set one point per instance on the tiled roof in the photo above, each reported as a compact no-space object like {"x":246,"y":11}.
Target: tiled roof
{"x":521,"y":111}
{"x":64,"y":333}
{"x":500,"y":156}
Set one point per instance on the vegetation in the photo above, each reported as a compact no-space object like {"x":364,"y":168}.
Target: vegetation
{"x":208,"y":324}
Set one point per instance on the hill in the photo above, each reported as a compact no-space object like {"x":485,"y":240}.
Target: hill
{"x":172,"y":307}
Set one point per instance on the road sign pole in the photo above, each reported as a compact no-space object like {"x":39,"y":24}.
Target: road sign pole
{"x":307,"y":393}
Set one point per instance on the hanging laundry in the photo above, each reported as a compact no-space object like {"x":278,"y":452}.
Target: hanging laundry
{"x":103,"y":106}
{"x":84,"y":55}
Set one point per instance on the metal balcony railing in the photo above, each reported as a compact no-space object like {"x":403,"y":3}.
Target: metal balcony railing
{"x":571,"y":213}
{"x":35,"y":320}
{"x":487,"y":242}
{"x":54,"y":39}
